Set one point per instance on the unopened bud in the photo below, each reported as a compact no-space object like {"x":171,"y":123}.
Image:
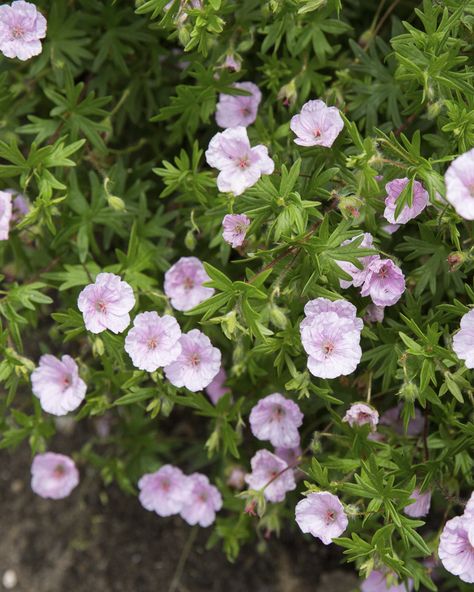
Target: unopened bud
{"x":455,"y":260}
{"x":116,"y":203}
{"x":409,"y":391}
{"x":288,"y":94}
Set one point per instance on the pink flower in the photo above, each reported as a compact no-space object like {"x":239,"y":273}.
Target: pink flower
{"x":53,"y":475}
{"x":21,"y":28}
{"x":268,"y":471}
{"x":216,"y":388}
{"x":184,"y":283}
{"x":292,"y":456}
{"x":198,"y":363}
{"x":235,"y":228}
{"x":384,"y":283}
{"x":236,"y":479}
{"x":456,"y":547}
{"x":232,"y":63}
{"x":322,"y":515}
{"x":5,"y":213}
{"x":57,"y":384}
{"x":153,"y":341}
{"x":379,"y":582}
{"x":332,"y":344}
{"x":394,"y":189}
{"x":165,"y":491}
{"x":374,"y":313}
{"x":276,"y":419}
{"x":342,"y":308}
{"x":240,"y":165}
{"x":317,"y":124}
{"x":360,"y":414}
{"x":358,"y":275}
{"x":392,"y":418}
{"x":202,"y":503}
{"x":105,"y":304}
{"x":390,"y":228}
{"x":235,"y":110}
{"x":422,"y":504}
{"x":459,"y":180}
{"x":463,"y":341}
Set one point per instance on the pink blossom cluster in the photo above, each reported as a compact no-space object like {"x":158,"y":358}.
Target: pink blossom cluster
{"x":379,"y":278}
{"x":330,"y":334}
{"x":275,"y":419}
{"x":169,"y":491}
{"x":456,"y":544}
{"x":22,"y":27}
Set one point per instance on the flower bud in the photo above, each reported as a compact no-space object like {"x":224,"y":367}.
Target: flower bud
{"x":116,"y":203}
{"x":288,"y":94}
{"x":455,"y":260}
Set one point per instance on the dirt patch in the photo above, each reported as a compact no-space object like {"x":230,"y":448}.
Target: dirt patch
{"x":101,"y":540}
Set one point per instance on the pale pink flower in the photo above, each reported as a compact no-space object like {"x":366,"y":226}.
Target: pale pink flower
{"x":379,"y":581}
{"x":202,"y":503}
{"x":422,"y":504}
{"x":322,"y":515}
{"x":394,"y":189}
{"x":317,"y":124}
{"x":184,"y":283}
{"x":240,"y":165}
{"x":198,"y":363}
{"x":463,"y":341}
{"x":276,"y":419}
{"x":332,"y":344}
{"x":217,"y":389}
{"x":235,"y":228}
{"x":236,"y":479}
{"x":459,"y":180}
{"x":292,"y":456}
{"x":232,"y":63}
{"x":456,"y":547}
{"x":469,"y":509}
{"x":105,"y":304}
{"x":57,"y":384}
{"x":53,"y":475}
{"x":235,"y":110}
{"x":165,"y":491}
{"x":390,"y":228}
{"x":342,"y":308}
{"x":5,"y":213}
{"x":21,"y":28}
{"x":153,"y":341}
{"x":392,"y":418}
{"x":270,"y":473}
{"x":384,"y":282}
{"x":374,"y":313}
{"x":358,"y":275}
{"x":360,"y":414}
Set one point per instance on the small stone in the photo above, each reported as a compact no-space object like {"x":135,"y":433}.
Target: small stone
{"x":9,"y":579}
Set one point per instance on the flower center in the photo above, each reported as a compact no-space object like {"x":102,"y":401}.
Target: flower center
{"x":67,"y":381}
{"x":203,"y":498}
{"x":59,"y":471}
{"x":317,"y":133}
{"x":243,"y":162}
{"x":383,"y":272}
{"x":278,"y":412}
{"x":101,"y":307}
{"x":245,"y":111}
{"x":328,"y":348}
{"x":165,"y":484}
{"x":195,"y":360}
{"x":330,"y":517}
{"x":17,"y":32}
{"x":152,"y":343}
{"x":273,"y":474}
{"x":188,"y":283}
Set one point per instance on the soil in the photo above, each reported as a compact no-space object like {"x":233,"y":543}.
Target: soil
{"x":100,"y":540}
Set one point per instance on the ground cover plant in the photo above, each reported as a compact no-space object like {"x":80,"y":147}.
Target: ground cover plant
{"x":237,"y":237}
